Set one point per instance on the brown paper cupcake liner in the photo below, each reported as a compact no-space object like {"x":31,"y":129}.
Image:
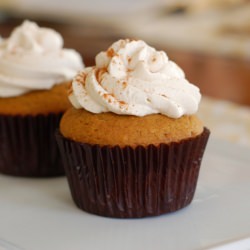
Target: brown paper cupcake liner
{"x":132,"y":182}
{"x":28,"y":146}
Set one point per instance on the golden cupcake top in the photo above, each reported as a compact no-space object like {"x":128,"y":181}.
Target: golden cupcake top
{"x":112,"y":129}
{"x":34,"y":103}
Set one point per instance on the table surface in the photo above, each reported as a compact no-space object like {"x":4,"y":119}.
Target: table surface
{"x":39,"y":214}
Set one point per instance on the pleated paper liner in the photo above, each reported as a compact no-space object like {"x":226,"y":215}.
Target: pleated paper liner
{"x":28,"y":146}
{"x":132,"y":182}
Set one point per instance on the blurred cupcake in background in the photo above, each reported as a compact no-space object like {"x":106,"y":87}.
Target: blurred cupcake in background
{"x":131,"y":144}
{"x":35,"y":72}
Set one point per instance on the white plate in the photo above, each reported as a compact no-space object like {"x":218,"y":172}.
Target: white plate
{"x":4,"y":245}
{"x":38,"y":214}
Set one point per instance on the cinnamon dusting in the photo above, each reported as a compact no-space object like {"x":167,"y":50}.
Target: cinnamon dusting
{"x":81,"y":78}
{"x":108,"y":97}
{"x":99,"y":73}
{"x":153,"y":59}
{"x":111,"y":53}
{"x":122,"y":103}
{"x":124,"y":84}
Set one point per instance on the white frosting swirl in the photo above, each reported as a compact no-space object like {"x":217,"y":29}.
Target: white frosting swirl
{"x":132,"y":78}
{"x":33,"y":58}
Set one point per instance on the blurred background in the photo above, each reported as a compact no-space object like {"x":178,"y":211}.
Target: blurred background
{"x":209,"y":39}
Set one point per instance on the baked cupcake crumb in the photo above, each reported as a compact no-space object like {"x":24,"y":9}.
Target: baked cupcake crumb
{"x":33,"y":103}
{"x":112,"y":129}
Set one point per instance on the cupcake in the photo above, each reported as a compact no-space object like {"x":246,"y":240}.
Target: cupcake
{"x":131,"y":144}
{"x":34,"y":78}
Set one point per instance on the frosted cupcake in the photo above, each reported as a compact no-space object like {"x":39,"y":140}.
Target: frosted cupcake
{"x":35,"y":72}
{"x":131,"y":144}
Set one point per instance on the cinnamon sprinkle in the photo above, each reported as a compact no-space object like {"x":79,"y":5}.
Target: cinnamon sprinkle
{"x":99,"y":73}
{"x":107,"y":97}
{"x":124,"y":84}
{"x":122,"y":103}
{"x":81,"y":78}
{"x":110,"y":52}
